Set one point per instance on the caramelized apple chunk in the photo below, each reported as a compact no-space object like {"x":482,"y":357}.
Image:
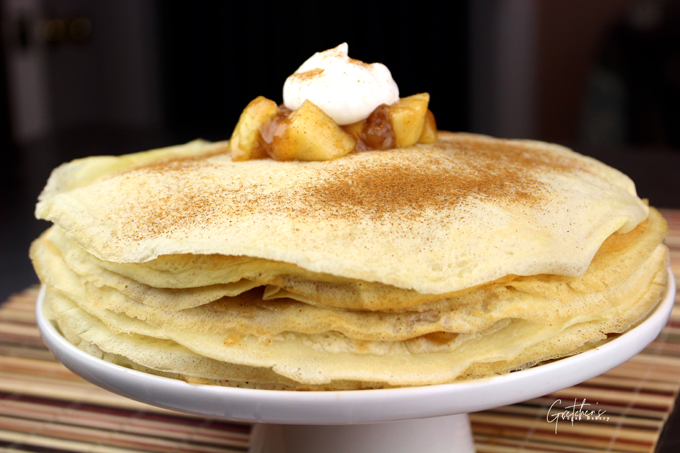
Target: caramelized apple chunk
{"x":407,"y":117}
{"x":354,"y":129}
{"x":246,"y":140}
{"x":310,"y":134}
{"x":375,"y":132}
{"x":429,"y":134}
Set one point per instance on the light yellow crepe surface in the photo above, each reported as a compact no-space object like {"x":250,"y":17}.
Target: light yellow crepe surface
{"x":433,"y":218}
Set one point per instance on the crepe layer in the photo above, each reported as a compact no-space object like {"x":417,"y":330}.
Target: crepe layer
{"x":246,"y":341}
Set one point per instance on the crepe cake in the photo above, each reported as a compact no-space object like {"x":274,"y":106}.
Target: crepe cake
{"x":463,"y":259}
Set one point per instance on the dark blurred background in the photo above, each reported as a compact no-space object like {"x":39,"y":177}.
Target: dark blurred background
{"x":84,"y":77}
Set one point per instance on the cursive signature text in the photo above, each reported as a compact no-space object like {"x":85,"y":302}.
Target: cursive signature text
{"x":575,"y":413}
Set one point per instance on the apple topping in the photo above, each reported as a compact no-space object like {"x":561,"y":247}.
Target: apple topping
{"x":308,"y":133}
{"x":429,"y":134}
{"x":407,"y":117}
{"x":246,"y":140}
{"x":375,"y":132}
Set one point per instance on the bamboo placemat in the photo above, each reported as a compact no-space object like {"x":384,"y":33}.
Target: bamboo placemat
{"x":46,"y":408}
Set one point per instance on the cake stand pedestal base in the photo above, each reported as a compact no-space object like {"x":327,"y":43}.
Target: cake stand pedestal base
{"x":432,"y":435}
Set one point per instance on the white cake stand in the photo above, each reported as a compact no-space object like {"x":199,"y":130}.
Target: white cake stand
{"x":430,"y":419}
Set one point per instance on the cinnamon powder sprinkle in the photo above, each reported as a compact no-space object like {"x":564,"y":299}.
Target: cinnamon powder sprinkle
{"x":400,"y":188}
{"x":312,"y":73}
{"x":408,"y":184}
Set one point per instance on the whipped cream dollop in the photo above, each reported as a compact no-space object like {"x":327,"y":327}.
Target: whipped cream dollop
{"x":347,"y":90}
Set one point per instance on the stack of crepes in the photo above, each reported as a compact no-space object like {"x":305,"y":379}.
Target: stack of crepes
{"x":430,"y":264}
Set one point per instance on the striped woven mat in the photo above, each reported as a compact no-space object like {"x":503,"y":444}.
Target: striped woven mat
{"x":46,"y":408}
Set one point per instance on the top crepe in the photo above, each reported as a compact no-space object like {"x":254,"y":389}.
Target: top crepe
{"x":432,"y":218}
